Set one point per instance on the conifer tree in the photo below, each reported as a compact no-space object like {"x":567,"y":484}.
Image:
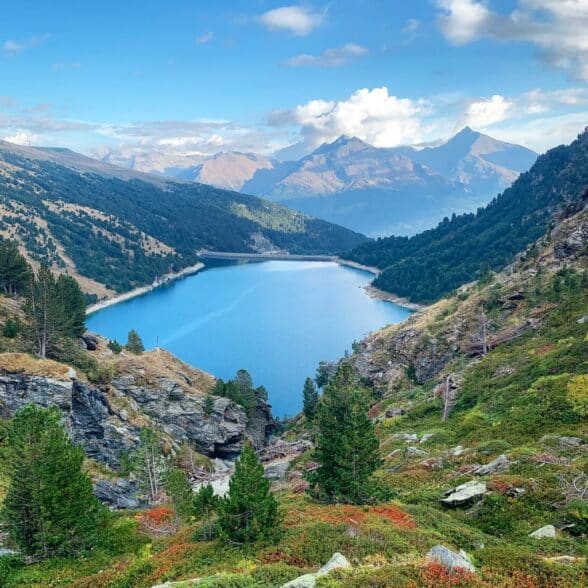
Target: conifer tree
{"x":310,"y":399}
{"x":249,"y":512}
{"x":177,"y":487}
{"x":14,"y":269}
{"x":134,"y":343}
{"x":347,"y":449}
{"x":50,"y":508}
{"x":73,"y":302}
{"x":44,"y":311}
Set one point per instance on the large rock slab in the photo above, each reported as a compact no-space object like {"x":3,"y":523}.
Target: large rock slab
{"x":548,"y":531}
{"x":450,"y":560}
{"x":465,"y":493}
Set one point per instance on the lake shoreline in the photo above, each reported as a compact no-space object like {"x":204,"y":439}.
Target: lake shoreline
{"x":378,"y":294}
{"x":370,"y":290}
{"x":167,"y":279}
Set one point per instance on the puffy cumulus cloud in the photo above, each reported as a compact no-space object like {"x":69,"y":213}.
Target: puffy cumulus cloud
{"x":371,"y":115}
{"x":334,"y":57}
{"x":485,"y":112}
{"x":298,"y":20}
{"x":12,"y":47}
{"x":463,"y":20}
{"x":556,"y":27}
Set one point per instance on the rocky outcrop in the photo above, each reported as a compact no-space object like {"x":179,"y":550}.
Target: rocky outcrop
{"x":105,"y":421}
{"x":87,"y":413}
{"x":118,"y":494}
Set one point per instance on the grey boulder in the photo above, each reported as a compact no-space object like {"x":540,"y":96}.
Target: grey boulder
{"x":450,"y":560}
{"x":465,"y":493}
{"x":548,"y":531}
{"x":337,"y":561}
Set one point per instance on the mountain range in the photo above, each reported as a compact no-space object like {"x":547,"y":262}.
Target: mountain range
{"x":467,"y":247}
{"x":115,"y":229}
{"x":377,"y":191}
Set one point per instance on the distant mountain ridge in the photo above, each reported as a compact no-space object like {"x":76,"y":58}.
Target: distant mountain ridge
{"x":378,"y":191}
{"x":115,"y":229}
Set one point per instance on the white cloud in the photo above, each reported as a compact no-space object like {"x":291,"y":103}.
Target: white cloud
{"x":411,"y":26}
{"x":485,"y":112}
{"x":12,"y":47}
{"x":556,"y":27}
{"x":334,"y":57}
{"x":298,"y":20}
{"x":371,"y":115}
{"x":204,"y":38}
{"x":23,"y":138}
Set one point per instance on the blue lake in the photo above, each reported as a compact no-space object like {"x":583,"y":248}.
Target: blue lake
{"x":277,"y":319}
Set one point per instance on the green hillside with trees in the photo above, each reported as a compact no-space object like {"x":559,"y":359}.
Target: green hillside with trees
{"x":126,"y":232}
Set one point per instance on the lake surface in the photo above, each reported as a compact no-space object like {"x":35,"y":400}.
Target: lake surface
{"x":276,"y":319}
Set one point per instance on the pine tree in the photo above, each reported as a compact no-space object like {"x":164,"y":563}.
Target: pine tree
{"x":14,"y":269}
{"x":347,"y":449}
{"x":205,"y":502}
{"x":249,"y":512}
{"x":44,"y":311}
{"x":134,"y":343}
{"x":73,"y":302}
{"x":177,"y":487}
{"x":310,"y":399}
{"x":49,"y":507}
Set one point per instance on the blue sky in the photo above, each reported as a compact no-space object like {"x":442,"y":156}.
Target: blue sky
{"x":183,"y":79}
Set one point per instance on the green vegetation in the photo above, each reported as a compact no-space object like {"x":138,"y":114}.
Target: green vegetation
{"x":347,"y":449}
{"x":134,"y":343}
{"x":249,"y":512}
{"x":49,"y":507}
{"x":435,"y":262}
{"x":14,"y":269}
{"x":241,"y":390}
{"x":310,"y":399}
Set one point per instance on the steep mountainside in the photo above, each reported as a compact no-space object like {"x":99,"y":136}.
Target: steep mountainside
{"x":225,"y":170}
{"x":435,"y":262}
{"x":483,"y":164}
{"x":119,"y":229}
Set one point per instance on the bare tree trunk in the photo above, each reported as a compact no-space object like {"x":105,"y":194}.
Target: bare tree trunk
{"x":446,"y":397}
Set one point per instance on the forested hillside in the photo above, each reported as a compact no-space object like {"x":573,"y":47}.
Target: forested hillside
{"x":460,"y":249}
{"x":123,"y":232}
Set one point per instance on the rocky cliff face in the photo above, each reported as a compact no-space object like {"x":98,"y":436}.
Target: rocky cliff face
{"x":106,"y":421}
